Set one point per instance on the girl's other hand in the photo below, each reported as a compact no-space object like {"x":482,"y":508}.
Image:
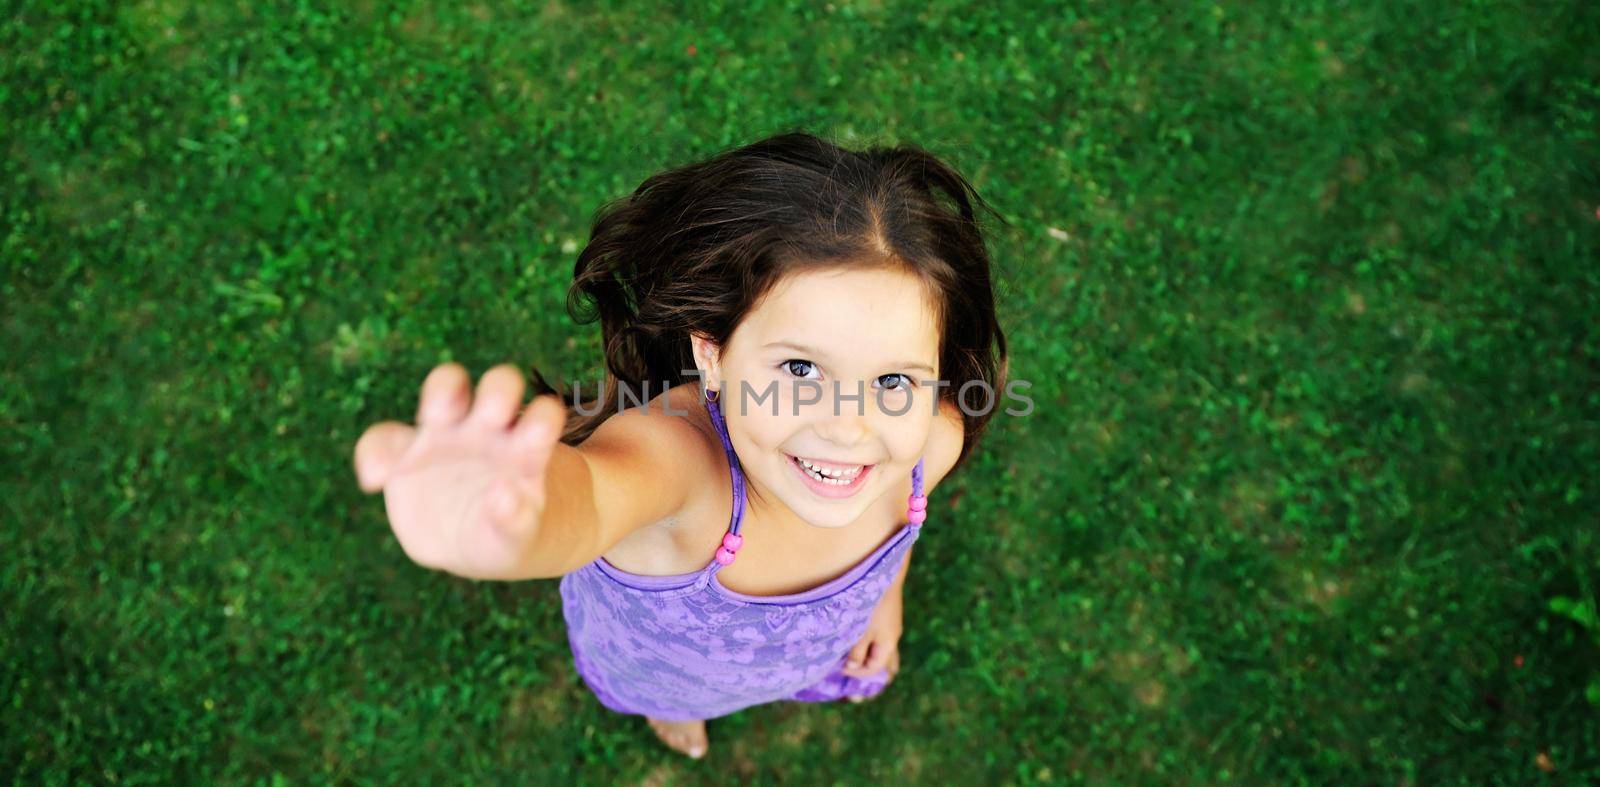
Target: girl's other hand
{"x":465,"y":487}
{"x":879,"y":648}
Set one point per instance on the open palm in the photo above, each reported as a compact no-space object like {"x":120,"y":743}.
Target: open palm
{"x":465,"y":487}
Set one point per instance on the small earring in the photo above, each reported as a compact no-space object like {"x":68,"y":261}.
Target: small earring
{"x":712,"y":395}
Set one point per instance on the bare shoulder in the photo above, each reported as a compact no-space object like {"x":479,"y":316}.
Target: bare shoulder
{"x":944,"y":445}
{"x":670,"y":426}
{"x":653,"y":461}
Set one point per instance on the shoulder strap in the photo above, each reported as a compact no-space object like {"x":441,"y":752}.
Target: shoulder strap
{"x":733,"y":465}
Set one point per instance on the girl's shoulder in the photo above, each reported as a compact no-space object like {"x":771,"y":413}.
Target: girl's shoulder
{"x":665,"y":451}
{"x":672,"y":428}
{"x":683,"y":404}
{"x":676,"y":414}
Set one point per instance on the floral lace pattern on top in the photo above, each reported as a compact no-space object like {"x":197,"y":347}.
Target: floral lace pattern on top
{"x":685,"y":647}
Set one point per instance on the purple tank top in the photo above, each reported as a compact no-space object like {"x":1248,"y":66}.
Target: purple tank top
{"x":683,"y":647}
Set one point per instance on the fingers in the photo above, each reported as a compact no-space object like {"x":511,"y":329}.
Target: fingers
{"x":869,"y":657}
{"x":856,"y":657}
{"x":379,"y":448}
{"x":878,"y":661}
{"x":537,"y":433}
{"x":445,"y":396}
{"x":883,"y":658}
{"x":499,"y":395}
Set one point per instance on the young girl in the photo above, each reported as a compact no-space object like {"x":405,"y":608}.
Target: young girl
{"x":811,"y":331}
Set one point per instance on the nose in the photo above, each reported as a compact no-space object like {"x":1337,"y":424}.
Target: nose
{"x":845,"y":428}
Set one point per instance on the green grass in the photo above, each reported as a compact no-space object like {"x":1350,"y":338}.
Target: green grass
{"x":1315,"y":346}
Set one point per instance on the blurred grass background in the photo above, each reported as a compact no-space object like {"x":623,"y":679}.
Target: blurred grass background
{"x":1308,"y":298}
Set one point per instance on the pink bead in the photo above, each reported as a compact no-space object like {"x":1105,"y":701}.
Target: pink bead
{"x":917,"y":517}
{"x":732,"y":541}
{"x":724,"y":556}
{"x":919,"y":502}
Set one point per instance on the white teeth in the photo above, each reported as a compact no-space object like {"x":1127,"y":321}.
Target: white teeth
{"x":830,"y":476}
{"x":831,"y":472}
{"x":829,"y":481}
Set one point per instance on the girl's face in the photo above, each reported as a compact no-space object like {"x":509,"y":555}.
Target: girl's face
{"x":834,"y":369}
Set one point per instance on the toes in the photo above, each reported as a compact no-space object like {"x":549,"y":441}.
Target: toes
{"x":690,"y":742}
{"x":694,"y":742}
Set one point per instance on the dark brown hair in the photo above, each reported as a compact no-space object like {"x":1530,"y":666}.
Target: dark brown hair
{"x":694,"y":248}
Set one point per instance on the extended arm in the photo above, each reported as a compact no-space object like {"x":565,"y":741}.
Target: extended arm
{"x":483,"y":492}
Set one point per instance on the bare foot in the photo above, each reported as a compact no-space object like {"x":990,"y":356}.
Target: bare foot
{"x":688,"y":737}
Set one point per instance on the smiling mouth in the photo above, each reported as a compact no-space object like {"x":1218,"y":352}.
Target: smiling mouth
{"x":830,"y":476}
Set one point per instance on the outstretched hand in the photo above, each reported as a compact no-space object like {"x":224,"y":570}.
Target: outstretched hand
{"x":465,"y":487}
